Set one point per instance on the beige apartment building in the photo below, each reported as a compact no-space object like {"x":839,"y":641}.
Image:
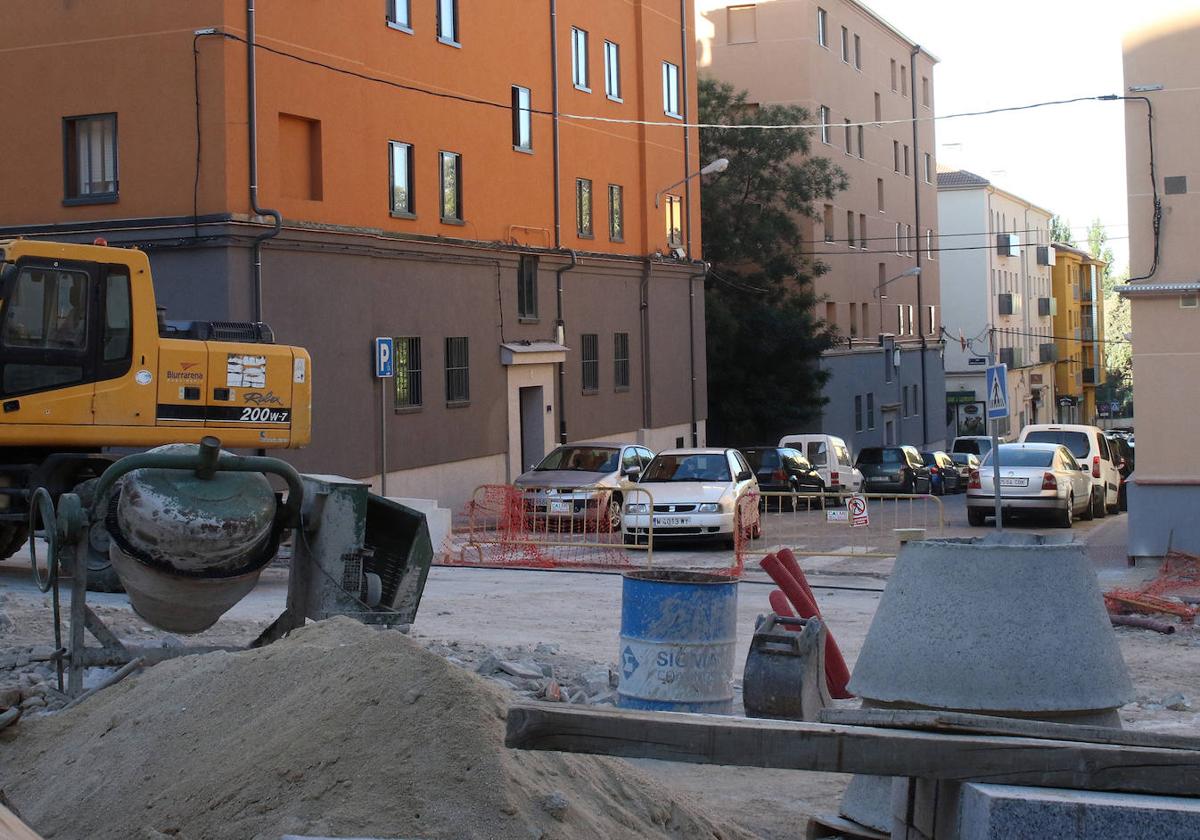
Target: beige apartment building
{"x":864,"y":82}
{"x":998,"y":298}
{"x":1161,"y":72}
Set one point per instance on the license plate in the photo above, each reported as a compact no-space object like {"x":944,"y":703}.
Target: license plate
{"x":1014,"y":482}
{"x":671,"y":521}
{"x":877,"y":479}
{"x":560,"y":507}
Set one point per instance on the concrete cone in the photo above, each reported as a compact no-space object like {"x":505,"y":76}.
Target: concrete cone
{"x":1012,"y":625}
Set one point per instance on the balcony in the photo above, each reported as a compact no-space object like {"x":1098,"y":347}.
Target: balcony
{"x":1088,"y":333}
{"x":1091,"y":376}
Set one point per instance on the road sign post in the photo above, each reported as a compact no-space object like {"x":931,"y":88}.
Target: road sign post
{"x":384,"y":370}
{"x":996,"y":395}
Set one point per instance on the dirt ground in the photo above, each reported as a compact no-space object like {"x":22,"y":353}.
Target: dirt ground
{"x":469,"y":614}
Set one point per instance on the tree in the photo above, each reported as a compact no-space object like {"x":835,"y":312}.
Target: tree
{"x":1098,"y":248}
{"x":1060,"y":231}
{"x":1118,"y":355}
{"x":764,"y":340}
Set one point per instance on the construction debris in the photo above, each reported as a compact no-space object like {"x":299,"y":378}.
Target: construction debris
{"x":1172,"y":592}
{"x":338,"y":730}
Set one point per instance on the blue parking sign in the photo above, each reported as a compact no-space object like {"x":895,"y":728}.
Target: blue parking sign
{"x":384,"y":360}
{"x":997,"y":392}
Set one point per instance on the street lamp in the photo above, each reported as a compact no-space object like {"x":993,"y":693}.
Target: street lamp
{"x":912,"y":272}
{"x":718,"y":165}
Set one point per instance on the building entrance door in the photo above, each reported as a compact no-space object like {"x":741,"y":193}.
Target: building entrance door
{"x":533,"y":427}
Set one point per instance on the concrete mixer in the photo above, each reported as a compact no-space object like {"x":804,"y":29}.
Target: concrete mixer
{"x":189,"y":529}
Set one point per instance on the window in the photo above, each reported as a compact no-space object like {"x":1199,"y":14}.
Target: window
{"x":408,"y":372}
{"x":447,"y":21}
{"x":853,"y":318}
{"x":903,"y":80}
{"x":929,"y":243}
{"x":616,"y":213}
{"x":899,"y":327}
{"x":522,"y":119}
{"x":862,"y":230}
{"x":932,"y":311}
{"x":871,"y":410}
{"x":879,"y":192}
{"x":612,"y":71}
{"x":401,"y":171}
{"x":822,"y":33}
{"x":90,"y":158}
{"x":907,"y":238}
{"x":828,"y":219}
{"x":866,"y":320}
{"x":591,"y":362}
{"x":850,"y":228}
{"x":45,"y":330}
{"x":895,"y":155}
{"x":906,"y":156}
{"x":904,"y":391}
{"x":742,"y":26}
{"x":849,"y":136}
{"x":928,"y":168}
{"x":823,"y":118}
{"x":674,"y":208}
{"x":399,"y":14}
{"x":893,"y":75}
{"x":583,"y":207}
{"x":858,"y":412}
{"x":579,"y":58}
{"x":118,"y":317}
{"x":620,"y":360}
{"x":451,"y":175}
{"x":912,"y":327}
{"x":925,"y":91}
{"x":670,"y":89}
{"x":458,"y":370}
{"x":862,"y":143}
{"x":857,"y":53}
{"x":831,"y":314}
{"x":899,"y":241}
{"x":845,"y":45}
{"x":527,"y":277}
{"x":878,"y":108}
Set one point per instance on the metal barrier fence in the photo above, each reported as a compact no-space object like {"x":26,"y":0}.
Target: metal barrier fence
{"x":813,"y":525}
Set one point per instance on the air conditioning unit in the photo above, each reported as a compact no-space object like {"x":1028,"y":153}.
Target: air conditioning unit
{"x":1048,"y":352}
{"x":1006,"y":304}
{"x":1045,"y":255}
{"x":1007,"y":356}
{"x":1007,"y":245}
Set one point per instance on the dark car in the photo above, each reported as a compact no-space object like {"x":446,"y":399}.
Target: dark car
{"x":943,"y":473}
{"x":893,"y":469}
{"x":780,"y":469}
{"x":965,"y":461}
{"x":1124,"y":455}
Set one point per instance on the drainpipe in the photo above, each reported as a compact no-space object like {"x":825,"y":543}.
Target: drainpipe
{"x":554,"y":132}
{"x":644,"y":304}
{"x":917,"y":178}
{"x":687,"y":135}
{"x":252,"y":123}
{"x":692,"y":343}
{"x":560,"y":335}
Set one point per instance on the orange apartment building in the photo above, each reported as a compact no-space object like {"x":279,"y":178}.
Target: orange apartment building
{"x":426,"y":170}
{"x":868,"y":85}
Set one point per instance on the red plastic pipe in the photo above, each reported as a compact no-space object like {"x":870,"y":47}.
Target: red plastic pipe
{"x":790,"y":563}
{"x":836,"y":672}
{"x":781,"y":606}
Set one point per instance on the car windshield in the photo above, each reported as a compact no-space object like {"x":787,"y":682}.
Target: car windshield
{"x":762,"y":458}
{"x":1021,"y":457}
{"x":682,"y":467}
{"x":1077,"y":442}
{"x":580,"y":459}
{"x":961,"y":457}
{"x":816,"y":453}
{"x":973,"y":446}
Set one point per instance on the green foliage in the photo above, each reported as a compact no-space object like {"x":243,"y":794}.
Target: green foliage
{"x":1060,"y":231}
{"x":764,"y":340}
{"x":1118,"y":354}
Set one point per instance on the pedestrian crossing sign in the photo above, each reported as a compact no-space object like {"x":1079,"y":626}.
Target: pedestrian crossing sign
{"x":997,"y":392}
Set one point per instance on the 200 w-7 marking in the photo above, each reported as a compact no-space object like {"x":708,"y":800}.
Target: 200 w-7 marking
{"x":252,"y":414}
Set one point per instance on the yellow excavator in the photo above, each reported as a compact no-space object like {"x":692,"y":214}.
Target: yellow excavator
{"x":88,"y":364}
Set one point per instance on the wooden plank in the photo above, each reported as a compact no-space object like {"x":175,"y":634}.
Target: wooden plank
{"x":928,"y":720}
{"x":838,"y":748}
{"x":11,"y":828}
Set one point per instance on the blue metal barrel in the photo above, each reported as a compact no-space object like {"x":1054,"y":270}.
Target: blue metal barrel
{"x":678,"y":638}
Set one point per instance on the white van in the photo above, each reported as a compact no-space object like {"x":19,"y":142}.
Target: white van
{"x":831,"y":458}
{"x":1090,"y":448}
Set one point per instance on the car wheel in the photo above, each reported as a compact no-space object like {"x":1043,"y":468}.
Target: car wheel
{"x":1115,"y":507}
{"x":1066,"y":518}
{"x":614,"y":512}
{"x":975,"y":517}
{"x":1089,"y":510}
{"x":909,"y":486}
{"x":1123,"y":498}
{"x":1099,"y":510}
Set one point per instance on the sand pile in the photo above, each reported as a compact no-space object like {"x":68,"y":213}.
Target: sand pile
{"x":338,"y":730}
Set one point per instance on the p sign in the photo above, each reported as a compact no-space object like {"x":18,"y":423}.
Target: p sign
{"x":384,"y":359}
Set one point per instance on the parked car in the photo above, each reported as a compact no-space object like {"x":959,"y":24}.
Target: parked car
{"x":831,"y":457}
{"x":943,"y":473}
{"x":894,"y":469}
{"x":1090,"y":448}
{"x":965,"y":462}
{"x":1123,"y":452}
{"x":695,"y":493}
{"x":577,"y":484}
{"x":1034,"y":477}
{"x":978,"y":445}
{"x":781,"y":469}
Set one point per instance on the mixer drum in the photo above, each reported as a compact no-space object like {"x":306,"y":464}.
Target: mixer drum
{"x":186,"y":548}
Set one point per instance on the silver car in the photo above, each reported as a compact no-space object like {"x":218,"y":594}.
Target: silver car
{"x":575,"y":487}
{"x":1034,"y":477}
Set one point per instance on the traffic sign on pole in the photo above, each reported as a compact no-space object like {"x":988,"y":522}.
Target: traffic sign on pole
{"x":997,"y":392}
{"x":384,"y":360}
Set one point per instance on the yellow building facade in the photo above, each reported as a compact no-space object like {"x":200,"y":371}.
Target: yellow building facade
{"x":1078,"y":308}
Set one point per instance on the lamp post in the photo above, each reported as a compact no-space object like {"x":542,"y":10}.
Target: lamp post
{"x":912,"y":272}
{"x":718,"y":165}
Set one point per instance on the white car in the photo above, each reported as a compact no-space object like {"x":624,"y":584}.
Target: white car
{"x":1034,"y":477}
{"x":1090,"y":448}
{"x":832,"y":459}
{"x":695,"y":493}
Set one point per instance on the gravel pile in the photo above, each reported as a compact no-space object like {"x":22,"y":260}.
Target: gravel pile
{"x":339,"y":730}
